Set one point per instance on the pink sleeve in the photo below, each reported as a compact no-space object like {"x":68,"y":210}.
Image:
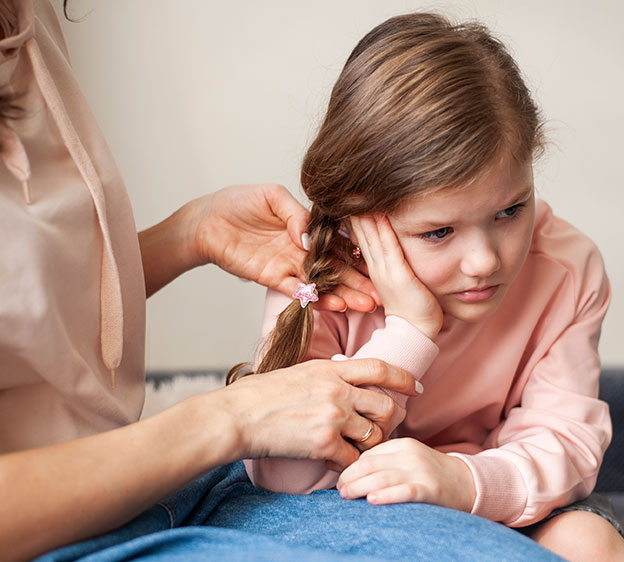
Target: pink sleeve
{"x":548,"y":450}
{"x":398,"y":343}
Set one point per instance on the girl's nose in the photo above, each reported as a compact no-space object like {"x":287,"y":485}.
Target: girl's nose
{"x":481,"y":258}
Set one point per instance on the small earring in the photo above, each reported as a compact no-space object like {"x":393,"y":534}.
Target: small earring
{"x":357,"y":253}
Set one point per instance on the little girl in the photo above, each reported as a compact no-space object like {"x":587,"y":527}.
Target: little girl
{"x":421,"y":173}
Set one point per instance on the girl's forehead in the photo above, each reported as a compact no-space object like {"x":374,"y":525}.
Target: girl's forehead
{"x":500,"y":187}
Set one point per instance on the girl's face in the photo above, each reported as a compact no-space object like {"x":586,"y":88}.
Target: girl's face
{"x":468,"y":245}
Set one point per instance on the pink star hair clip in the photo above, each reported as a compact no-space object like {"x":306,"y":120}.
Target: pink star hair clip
{"x":306,"y":293}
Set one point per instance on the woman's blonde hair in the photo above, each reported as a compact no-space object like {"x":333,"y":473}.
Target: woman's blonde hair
{"x":420,"y":105}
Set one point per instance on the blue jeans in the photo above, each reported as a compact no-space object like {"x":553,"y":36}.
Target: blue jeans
{"x":222,"y":516}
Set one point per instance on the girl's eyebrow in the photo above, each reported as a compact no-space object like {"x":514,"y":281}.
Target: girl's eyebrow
{"x":524,"y":194}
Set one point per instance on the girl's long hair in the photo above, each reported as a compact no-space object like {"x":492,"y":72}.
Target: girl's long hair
{"x":420,"y":105}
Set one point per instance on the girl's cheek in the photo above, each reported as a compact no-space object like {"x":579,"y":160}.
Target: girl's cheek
{"x":434,"y":270}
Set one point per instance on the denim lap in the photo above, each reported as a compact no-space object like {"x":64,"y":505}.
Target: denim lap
{"x":222,"y":516}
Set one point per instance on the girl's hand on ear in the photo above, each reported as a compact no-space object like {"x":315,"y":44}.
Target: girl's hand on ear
{"x":401,"y":292}
{"x":405,"y":470}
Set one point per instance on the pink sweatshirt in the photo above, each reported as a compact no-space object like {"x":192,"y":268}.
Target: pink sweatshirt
{"x":72,"y":308}
{"x":514,"y":396}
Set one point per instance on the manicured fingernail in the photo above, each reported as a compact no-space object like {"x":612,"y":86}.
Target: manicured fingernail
{"x":305,"y":241}
{"x":419,"y":387}
{"x":374,"y":309}
{"x":345,"y":308}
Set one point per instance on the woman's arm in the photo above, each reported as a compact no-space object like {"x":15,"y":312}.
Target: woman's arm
{"x":109,"y":478}
{"x":252,"y":231}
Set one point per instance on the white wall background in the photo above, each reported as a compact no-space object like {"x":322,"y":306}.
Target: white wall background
{"x":194,"y":95}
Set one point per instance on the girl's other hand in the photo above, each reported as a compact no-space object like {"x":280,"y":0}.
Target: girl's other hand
{"x":405,"y":470}
{"x":401,"y":292}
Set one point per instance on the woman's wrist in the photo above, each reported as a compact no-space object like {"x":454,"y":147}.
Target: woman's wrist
{"x":169,"y":249}
{"x":213,"y":429}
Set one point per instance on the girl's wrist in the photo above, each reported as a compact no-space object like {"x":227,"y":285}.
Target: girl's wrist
{"x":429,"y":328}
{"x":466,"y":490}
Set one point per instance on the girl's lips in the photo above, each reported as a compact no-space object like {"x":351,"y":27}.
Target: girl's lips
{"x":475,"y":295}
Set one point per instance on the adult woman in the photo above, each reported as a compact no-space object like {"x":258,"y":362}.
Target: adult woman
{"x":75,"y":276}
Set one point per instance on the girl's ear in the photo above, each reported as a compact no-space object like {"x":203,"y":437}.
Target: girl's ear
{"x":346,"y":231}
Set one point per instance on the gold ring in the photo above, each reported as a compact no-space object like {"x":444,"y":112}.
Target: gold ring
{"x":368,"y":433}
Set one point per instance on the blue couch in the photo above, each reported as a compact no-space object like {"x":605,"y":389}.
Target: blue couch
{"x":611,"y":476}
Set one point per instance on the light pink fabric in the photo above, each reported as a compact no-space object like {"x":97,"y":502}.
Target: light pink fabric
{"x":72,"y":309}
{"x":514,"y":396}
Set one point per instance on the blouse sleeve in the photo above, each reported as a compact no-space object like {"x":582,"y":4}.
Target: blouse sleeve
{"x":398,"y":343}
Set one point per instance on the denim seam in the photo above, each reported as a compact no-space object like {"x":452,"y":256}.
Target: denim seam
{"x":170,"y":513}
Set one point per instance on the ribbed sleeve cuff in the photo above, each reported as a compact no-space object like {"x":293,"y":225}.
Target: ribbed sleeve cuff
{"x":401,"y":344}
{"x":501,"y":493}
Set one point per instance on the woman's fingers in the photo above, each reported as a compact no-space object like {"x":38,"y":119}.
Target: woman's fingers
{"x":358,"y":372}
{"x":356,"y":292}
{"x":363,"y":432}
{"x":289,"y":210}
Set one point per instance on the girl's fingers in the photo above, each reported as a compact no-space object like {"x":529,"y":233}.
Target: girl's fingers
{"x":387,"y":455}
{"x":368,"y":238}
{"x":331,"y":302}
{"x":380,"y":245}
{"x":401,"y":493}
{"x":371,"y":483}
{"x":388,"y":238}
{"x":367,"y":464}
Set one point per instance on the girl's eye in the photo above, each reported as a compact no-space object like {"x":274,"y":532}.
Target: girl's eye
{"x":509,"y":212}
{"x":438,"y":234}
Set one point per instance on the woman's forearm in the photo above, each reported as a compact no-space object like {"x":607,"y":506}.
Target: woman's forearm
{"x":300,"y":412}
{"x":167,"y":250}
{"x":109,"y":478}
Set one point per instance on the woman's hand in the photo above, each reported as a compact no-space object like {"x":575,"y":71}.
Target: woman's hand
{"x":405,"y":470}
{"x":312,"y":409}
{"x":401,"y":292}
{"x":252,"y":231}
